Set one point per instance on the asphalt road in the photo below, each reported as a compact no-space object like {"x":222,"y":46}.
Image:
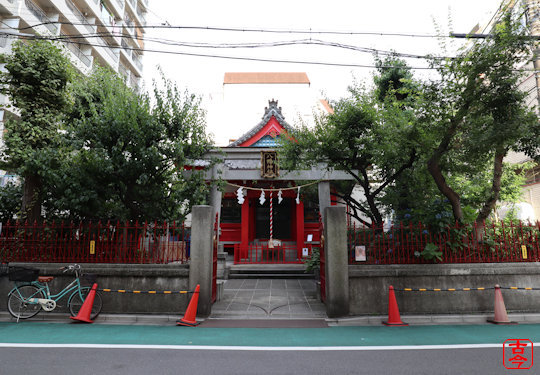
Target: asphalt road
{"x":54,"y":348}
{"x":17,"y":361}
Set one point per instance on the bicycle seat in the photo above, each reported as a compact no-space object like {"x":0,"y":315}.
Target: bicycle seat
{"x":45,"y":279}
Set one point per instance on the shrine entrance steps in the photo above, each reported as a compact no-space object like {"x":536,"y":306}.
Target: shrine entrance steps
{"x":268,"y":271}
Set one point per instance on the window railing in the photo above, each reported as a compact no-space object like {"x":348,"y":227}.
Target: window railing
{"x":134,"y":81}
{"x":120,"y":3}
{"x":107,"y":48}
{"x":75,"y":50}
{"x":79,"y":15}
{"x":141,"y":16}
{"x":3,"y":40}
{"x":124,"y":72}
{"x":137,"y":60}
{"x":40,"y":15}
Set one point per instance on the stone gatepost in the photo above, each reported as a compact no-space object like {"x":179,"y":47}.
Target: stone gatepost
{"x":200,"y":268}
{"x":336,"y":262}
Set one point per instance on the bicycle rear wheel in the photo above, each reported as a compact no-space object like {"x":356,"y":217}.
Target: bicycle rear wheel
{"x":77,"y":298}
{"x":17,"y":302}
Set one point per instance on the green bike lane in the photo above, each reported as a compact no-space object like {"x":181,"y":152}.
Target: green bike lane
{"x":363,"y":336}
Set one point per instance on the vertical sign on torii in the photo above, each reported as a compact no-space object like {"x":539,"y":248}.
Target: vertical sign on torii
{"x":269,"y":164}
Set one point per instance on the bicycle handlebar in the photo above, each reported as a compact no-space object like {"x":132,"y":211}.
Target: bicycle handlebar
{"x":72,"y":267}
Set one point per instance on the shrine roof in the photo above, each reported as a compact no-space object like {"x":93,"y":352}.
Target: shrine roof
{"x":263,"y":78}
{"x":272,"y":124}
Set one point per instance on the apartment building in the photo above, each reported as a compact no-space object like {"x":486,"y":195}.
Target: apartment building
{"x":106,"y":33}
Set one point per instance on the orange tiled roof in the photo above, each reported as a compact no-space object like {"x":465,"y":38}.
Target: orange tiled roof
{"x":249,"y":77}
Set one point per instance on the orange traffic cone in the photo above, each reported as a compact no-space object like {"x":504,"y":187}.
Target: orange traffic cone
{"x":501,"y":317}
{"x":191,"y":312}
{"x":393,"y":312}
{"x":86,"y":308}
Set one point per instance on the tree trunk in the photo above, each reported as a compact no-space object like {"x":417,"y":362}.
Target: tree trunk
{"x":31,"y":202}
{"x":489,"y":204}
{"x":435,"y":170}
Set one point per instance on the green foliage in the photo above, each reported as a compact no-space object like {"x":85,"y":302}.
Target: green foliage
{"x":478,"y":113}
{"x":10,"y":201}
{"x":36,"y":79}
{"x":126,"y":155}
{"x":431,"y":252}
{"x":359,"y":135}
{"x":313,"y":262}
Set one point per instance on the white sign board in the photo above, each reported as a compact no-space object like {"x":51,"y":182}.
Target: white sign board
{"x":309,"y":237}
{"x":360,"y":253}
{"x":305,"y":252}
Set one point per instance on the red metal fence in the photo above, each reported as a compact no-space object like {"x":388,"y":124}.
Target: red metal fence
{"x":416,"y":244}
{"x":261,"y":254}
{"x":152,"y":243}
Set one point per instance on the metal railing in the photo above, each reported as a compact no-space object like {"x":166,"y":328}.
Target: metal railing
{"x":107,"y":48}
{"x":75,"y":50}
{"x":40,"y":15}
{"x":263,"y":254}
{"x":137,"y":60}
{"x":124,"y":72}
{"x":418,"y":243}
{"x":150,"y":243}
{"x":134,"y":81}
{"x":141,"y":16}
{"x":3,"y":40}
{"x":78,"y":14}
{"x":120,"y":4}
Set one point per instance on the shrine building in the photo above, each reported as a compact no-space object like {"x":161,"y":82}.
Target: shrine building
{"x":263,"y":213}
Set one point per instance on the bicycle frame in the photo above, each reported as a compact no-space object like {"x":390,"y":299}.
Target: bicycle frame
{"x":75,"y":284}
{"x":44,"y":287}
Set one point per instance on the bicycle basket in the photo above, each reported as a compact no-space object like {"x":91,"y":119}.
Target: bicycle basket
{"x":23,"y":274}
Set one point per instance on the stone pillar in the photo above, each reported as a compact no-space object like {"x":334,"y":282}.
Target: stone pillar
{"x":336,"y":262}
{"x":200,"y":269}
{"x":215,"y":201}
{"x":324,"y":196}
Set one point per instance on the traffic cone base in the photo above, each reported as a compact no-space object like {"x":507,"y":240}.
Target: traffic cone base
{"x":501,"y":317}
{"x":394,"y":319}
{"x":86,"y":308}
{"x":191,"y":313}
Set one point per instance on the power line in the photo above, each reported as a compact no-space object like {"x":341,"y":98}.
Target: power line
{"x":255,"y":30}
{"x":241,"y":58}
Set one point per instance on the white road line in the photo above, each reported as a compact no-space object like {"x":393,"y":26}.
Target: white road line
{"x":254,"y":348}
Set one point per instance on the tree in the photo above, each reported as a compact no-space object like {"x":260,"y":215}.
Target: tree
{"x":10,"y":201}
{"x":478,"y":112}
{"x":36,"y":79}
{"x":372,"y":142}
{"x":127,"y":154}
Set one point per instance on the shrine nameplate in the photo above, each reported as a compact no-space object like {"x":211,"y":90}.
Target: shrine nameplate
{"x":269,"y":164}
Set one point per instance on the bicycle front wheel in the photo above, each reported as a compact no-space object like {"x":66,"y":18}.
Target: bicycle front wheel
{"x":77,"y":298}
{"x":18,"y":305}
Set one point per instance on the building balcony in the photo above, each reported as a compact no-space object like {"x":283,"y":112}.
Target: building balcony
{"x":90,"y":28}
{"x":41,"y":16}
{"x":136,"y":11}
{"x":132,"y":57}
{"x":76,"y":51}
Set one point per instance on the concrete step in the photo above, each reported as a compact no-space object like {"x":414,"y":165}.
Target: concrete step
{"x":269,"y":271}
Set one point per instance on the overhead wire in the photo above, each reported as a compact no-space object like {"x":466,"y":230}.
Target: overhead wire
{"x":86,"y":36}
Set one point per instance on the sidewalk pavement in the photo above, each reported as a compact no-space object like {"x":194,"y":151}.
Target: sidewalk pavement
{"x":279,"y":303}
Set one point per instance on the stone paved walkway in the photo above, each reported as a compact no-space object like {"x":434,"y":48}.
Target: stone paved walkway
{"x":269,"y":299}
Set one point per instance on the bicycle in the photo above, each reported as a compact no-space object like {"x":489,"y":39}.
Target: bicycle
{"x":32,"y":294}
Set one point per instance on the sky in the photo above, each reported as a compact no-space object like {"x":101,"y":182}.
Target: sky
{"x":204,"y":75}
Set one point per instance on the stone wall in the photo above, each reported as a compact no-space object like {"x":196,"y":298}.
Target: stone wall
{"x":368,"y":286}
{"x":173,"y":277}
